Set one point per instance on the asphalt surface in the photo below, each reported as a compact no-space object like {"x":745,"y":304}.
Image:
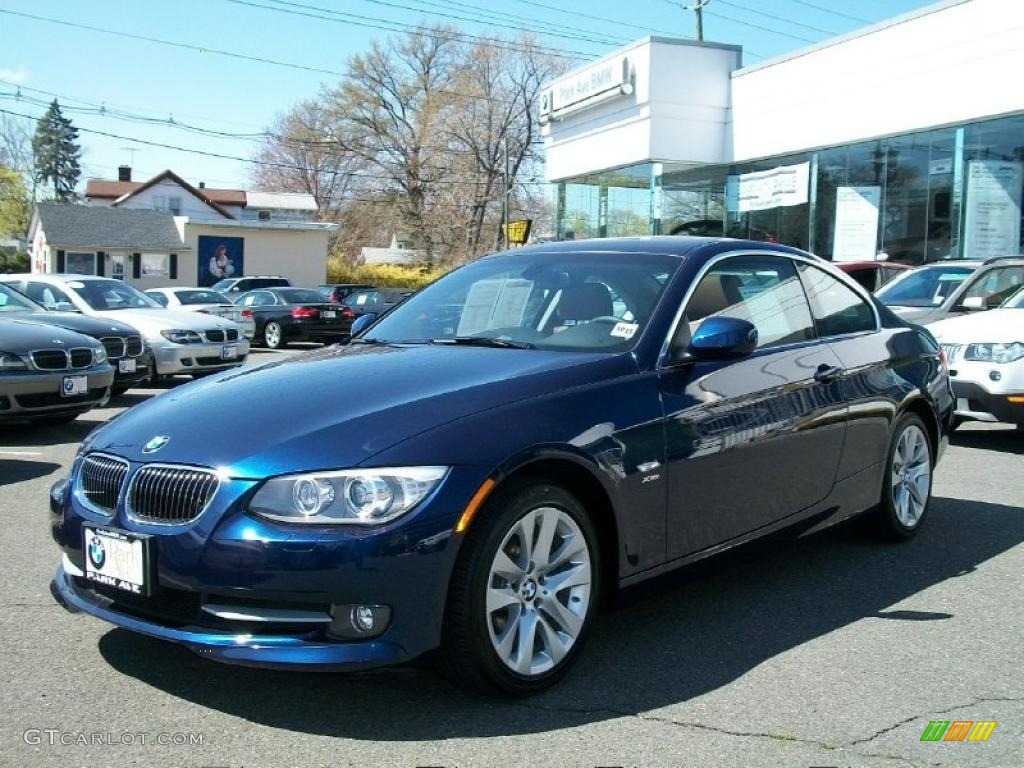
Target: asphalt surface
{"x":833,"y":650}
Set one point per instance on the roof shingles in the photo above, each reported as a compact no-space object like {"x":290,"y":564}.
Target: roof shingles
{"x":84,"y":226}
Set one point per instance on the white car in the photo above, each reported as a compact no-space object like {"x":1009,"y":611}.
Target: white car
{"x":207,"y":301}
{"x":986,"y":362}
{"x":179,"y":342}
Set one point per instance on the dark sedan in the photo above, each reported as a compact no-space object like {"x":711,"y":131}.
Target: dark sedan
{"x":123,"y":343}
{"x":598,"y":412}
{"x":376,"y":301}
{"x":296,"y":314}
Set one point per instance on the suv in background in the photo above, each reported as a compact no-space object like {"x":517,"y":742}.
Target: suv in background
{"x":943,"y":289}
{"x":335,"y":293}
{"x":235,"y":286}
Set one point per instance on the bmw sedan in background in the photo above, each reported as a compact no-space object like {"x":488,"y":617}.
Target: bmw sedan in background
{"x":207,"y":301}
{"x":599,"y":412}
{"x":179,"y":342}
{"x":49,"y":374}
{"x":122,"y":343}
{"x":986,"y":361}
{"x":283,"y":315}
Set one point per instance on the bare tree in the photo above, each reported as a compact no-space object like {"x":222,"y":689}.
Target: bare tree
{"x":16,"y":148}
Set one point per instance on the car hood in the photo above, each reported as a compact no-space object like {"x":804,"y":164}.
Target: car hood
{"x":993,"y":326}
{"x":916,"y":314}
{"x":21,"y":336}
{"x":151,"y":321}
{"x":339,"y":406}
{"x":97,"y":327}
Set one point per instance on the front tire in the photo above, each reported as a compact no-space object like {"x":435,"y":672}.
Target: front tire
{"x":273,"y":336}
{"x":907,"y":485}
{"x":524,"y":591}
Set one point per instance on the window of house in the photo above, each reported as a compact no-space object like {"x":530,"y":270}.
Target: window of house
{"x":764,"y":291}
{"x":174,"y":204}
{"x":155,"y":265}
{"x":80,"y":263}
{"x":117,"y":266}
{"x":837,"y":308}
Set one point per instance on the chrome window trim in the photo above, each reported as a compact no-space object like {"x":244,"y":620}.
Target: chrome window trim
{"x":813,"y":261}
{"x":130,"y":513}
{"x":83,"y":499}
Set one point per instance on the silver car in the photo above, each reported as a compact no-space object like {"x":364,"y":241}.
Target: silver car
{"x":50,"y":374}
{"x":179,"y":342}
{"x":949,"y":288}
{"x":207,"y":301}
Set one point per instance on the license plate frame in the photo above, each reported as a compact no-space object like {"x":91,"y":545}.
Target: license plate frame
{"x":329,"y":314}
{"x":122,"y":561}
{"x":229,"y":352}
{"x":127,"y":365}
{"x":73,"y":386}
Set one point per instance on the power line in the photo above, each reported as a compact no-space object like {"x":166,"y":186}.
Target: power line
{"x":254,"y":161}
{"x":582,"y":15}
{"x":834,"y":12}
{"x":778,"y":18}
{"x":759,"y":26}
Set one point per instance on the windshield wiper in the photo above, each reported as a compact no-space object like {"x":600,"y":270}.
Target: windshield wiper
{"x":485,"y":341}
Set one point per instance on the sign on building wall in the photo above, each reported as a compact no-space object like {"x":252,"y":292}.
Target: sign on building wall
{"x":592,"y":85}
{"x":785,"y":185}
{"x":218,"y":258}
{"x":992,"y":219}
{"x":856,"y":235}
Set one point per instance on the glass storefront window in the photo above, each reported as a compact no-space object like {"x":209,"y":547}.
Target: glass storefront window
{"x":615,"y":203}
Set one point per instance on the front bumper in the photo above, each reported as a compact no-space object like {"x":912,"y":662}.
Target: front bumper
{"x":169,"y":359}
{"x":25,"y":394}
{"x":975,"y":402}
{"x":228,"y":557}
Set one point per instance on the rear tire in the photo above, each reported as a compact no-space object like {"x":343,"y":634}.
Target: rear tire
{"x":273,"y":336}
{"x":907,"y":484}
{"x":524,"y":591}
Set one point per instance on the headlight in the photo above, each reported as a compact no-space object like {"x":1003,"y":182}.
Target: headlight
{"x":350,"y":496}
{"x":10,"y":362}
{"x":99,"y":356}
{"x":182,"y":337}
{"x":995,"y":353}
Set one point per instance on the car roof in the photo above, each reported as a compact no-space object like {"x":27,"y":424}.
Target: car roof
{"x":59,"y":278}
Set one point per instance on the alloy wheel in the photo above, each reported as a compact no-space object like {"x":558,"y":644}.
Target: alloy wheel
{"x":911,"y":475}
{"x":538,"y":591}
{"x":272,"y":334}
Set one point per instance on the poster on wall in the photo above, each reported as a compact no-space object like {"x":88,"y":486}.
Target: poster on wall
{"x":218,"y":258}
{"x":856,"y":235}
{"x":785,"y":185}
{"x":992,"y":219}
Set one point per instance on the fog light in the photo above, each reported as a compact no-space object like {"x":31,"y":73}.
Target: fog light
{"x":995,"y":375}
{"x":359,"y":621}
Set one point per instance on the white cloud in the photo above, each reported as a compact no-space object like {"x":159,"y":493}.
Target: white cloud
{"x":17,"y":76}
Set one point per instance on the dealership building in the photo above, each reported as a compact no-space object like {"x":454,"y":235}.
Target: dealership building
{"x":905,"y":138}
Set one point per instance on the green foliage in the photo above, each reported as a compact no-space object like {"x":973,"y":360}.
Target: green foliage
{"x":382,"y":275}
{"x":15,"y":207}
{"x":13,"y":262}
{"x":57,"y":154}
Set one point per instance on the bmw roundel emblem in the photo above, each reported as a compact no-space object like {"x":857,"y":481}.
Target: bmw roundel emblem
{"x":156,"y":443}
{"x":97,"y":554}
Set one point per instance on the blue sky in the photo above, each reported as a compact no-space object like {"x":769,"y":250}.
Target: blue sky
{"x":90,"y":69}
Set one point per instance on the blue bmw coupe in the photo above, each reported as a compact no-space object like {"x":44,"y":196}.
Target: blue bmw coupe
{"x":481,"y":467}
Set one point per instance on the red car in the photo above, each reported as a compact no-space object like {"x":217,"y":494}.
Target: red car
{"x":872,"y":274}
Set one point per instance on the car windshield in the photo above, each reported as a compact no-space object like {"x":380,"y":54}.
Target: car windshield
{"x":11,"y":302}
{"x":584,"y":301}
{"x":224,"y":285}
{"x":300,"y":296}
{"x":924,"y":287}
{"x":201,"y":297}
{"x":105,"y":295}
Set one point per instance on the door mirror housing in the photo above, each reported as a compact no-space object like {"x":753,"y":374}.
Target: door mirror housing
{"x":723,"y":338}
{"x":974,"y":303}
{"x":65,"y":306}
{"x":362,"y":322}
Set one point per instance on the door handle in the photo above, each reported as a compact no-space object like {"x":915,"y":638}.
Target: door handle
{"x":827,"y":373}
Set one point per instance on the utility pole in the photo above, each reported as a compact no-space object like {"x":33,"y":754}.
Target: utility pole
{"x":698,"y":11}
{"x":504,"y":199}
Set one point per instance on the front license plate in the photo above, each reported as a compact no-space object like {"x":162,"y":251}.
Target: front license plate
{"x":116,"y":559}
{"x":330,"y":314}
{"x":229,"y":352}
{"x":126,"y":366}
{"x":74,"y":385}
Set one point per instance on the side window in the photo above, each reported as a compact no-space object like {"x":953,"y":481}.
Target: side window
{"x":47,"y":295}
{"x":992,"y":288}
{"x":837,"y":309}
{"x":763,"y":290}
{"x":159,"y":298}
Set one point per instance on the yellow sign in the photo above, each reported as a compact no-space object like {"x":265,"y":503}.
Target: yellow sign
{"x":518,"y":232}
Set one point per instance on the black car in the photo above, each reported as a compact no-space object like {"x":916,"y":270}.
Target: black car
{"x":376,"y":301}
{"x":597,"y":413}
{"x":296,"y":314}
{"x":123,"y":343}
{"x":233,"y":287}
{"x":336,"y":292}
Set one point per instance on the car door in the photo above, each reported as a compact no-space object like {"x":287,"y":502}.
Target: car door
{"x":749,"y":442}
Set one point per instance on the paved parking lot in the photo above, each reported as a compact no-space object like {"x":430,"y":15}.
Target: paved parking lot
{"x":833,"y":650}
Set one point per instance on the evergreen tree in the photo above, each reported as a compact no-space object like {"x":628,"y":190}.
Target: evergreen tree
{"x":57,"y":153}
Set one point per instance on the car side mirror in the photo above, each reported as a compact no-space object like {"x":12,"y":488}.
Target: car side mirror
{"x":974,"y":303}
{"x":362,"y":322}
{"x":723,"y":338}
{"x":65,"y":306}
